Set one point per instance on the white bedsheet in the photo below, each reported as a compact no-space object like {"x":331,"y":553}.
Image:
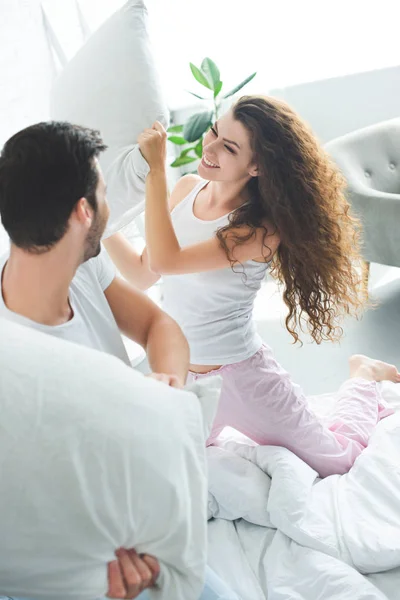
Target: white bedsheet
{"x":280,"y":533}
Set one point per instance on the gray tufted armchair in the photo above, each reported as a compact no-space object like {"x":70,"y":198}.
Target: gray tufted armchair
{"x":370,"y":161}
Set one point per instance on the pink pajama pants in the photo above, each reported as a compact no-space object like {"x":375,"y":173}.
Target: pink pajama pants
{"x":259,"y":399}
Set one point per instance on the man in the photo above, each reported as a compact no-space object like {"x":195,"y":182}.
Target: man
{"x":57,"y":279}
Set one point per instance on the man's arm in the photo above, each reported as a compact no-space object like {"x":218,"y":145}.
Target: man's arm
{"x":140,"y":319}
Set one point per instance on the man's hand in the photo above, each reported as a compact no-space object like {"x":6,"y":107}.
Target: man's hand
{"x":153,"y":146}
{"x":171,"y":380}
{"x":130,"y":574}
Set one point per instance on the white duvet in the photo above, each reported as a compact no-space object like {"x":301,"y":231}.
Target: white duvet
{"x":282,"y":533}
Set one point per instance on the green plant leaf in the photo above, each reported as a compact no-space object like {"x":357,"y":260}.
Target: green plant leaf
{"x":199,"y":148}
{"x":239,"y":87}
{"x":196,"y":125}
{"x":184,"y":160}
{"x":175,"y":129}
{"x":211,"y":71}
{"x":176,"y":139}
{"x":217,"y":89}
{"x":186,"y":151}
{"x":196,"y":95}
{"x":199,"y":76}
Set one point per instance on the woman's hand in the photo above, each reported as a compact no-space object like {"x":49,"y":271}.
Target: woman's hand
{"x":153,"y":146}
{"x":130,"y":574}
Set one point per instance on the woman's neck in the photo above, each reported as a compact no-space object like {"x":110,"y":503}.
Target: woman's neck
{"x":226,"y":194}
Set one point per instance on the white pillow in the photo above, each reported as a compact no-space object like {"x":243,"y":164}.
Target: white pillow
{"x":112,"y":85}
{"x":94,"y":456}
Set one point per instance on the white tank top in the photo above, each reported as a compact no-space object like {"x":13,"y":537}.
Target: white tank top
{"x":214,"y":308}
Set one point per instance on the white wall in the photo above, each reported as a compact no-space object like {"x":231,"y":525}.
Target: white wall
{"x":23,"y":51}
{"x":286,"y":42}
{"x":336,"y":106}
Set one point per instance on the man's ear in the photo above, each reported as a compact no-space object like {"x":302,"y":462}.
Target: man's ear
{"x":83,"y":212}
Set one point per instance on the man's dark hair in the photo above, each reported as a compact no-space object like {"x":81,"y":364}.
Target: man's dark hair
{"x":44,"y":170}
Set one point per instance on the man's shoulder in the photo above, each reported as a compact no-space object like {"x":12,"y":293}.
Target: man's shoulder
{"x":96,"y":271}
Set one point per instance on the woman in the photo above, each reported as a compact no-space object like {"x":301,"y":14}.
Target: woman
{"x":267,"y":197}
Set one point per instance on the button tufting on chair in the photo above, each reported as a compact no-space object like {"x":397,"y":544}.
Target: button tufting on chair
{"x":376,"y":200}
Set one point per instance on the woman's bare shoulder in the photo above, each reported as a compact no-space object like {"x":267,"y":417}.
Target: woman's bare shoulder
{"x":182,"y":188}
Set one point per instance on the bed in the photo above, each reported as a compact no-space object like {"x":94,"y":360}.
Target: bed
{"x":277,"y":531}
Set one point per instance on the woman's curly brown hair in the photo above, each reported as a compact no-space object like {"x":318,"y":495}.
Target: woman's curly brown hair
{"x":300,"y":192}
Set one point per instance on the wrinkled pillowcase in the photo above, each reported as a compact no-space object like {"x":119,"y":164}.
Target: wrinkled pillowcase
{"x":96,"y":456}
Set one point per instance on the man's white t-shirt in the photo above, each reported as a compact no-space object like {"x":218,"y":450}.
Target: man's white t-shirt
{"x":93,"y":324}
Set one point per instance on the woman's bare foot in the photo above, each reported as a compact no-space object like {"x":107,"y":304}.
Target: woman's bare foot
{"x":373,"y":370}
